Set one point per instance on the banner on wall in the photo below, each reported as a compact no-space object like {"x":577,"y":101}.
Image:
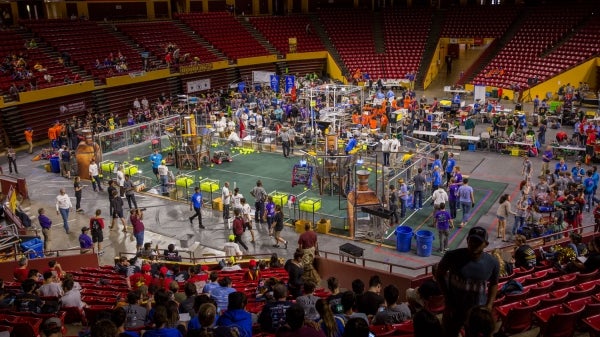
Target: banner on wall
{"x":259,"y":76}
{"x":198,"y":85}
{"x":290,"y":81}
{"x":275,"y":83}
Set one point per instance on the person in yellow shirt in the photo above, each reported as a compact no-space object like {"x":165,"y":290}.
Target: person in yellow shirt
{"x":29,"y":138}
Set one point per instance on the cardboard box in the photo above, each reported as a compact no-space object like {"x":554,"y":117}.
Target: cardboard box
{"x":217,"y":204}
{"x":299,"y":225}
{"x":324,"y":226}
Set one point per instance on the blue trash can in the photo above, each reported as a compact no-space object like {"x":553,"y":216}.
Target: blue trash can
{"x":34,"y":248}
{"x":424,"y":242}
{"x":55,"y":164}
{"x":403,"y":238}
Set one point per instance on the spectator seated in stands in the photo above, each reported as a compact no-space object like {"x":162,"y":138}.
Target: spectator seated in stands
{"x":28,"y":300}
{"x":274,"y":262}
{"x":72,"y":296}
{"x":591,"y":262}
{"x":51,"y":286}
{"x":171,"y":254}
{"x":194,"y":323}
{"x":141,"y":278}
{"x":308,"y":301}
{"x":20,"y":273}
{"x":124,"y":267}
{"x":39,"y":67}
{"x":221,"y":293}
{"x":207,"y":313}
{"x":136,"y":314}
{"x":296,"y":325}
{"x":370,"y":302}
{"x":236,"y":314}
{"x":148,"y":252}
{"x":56,"y":269}
{"x":160,"y":320}
{"x":52,"y":327}
{"x":252,"y":274}
{"x":186,"y":305}
{"x":163,"y":281}
{"x":394,"y":312}
{"x":348,"y":304}
{"x":273,"y":313}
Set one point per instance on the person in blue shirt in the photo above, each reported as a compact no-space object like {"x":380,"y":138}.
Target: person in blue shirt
{"x":351,"y":145}
{"x":236,"y":315}
{"x":212,"y":284}
{"x":196,"y":204}
{"x":588,"y":190}
{"x":561,"y":166}
{"x":437,"y":178}
{"x":160,"y":321}
{"x":596,"y":179}
{"x":578,"y":173}
{"x":450,"y":167}
{"x":221,"y":293}
{"x":155,"y":159}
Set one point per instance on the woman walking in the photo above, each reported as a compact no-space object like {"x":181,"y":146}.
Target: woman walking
{"x":278,"y":219}
{"x":502,"y":214}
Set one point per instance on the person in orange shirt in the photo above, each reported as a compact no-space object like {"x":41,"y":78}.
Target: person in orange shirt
{"x":383,"y":123}
{"x":53,"y":136}
{"x":406,"y":102}
{"x":373,"y":123}
{"x":355,"y":119}
{"x":29,"y":138}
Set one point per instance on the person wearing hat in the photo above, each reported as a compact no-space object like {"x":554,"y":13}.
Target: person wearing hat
{"x":85,"y":241}
{"x":231,"y":248}
{"x":468,"y":277}
{"x":52,"y":327}
{"x":252,"y":274}
{"x":163,"y":173}
{"x":29,"y":139}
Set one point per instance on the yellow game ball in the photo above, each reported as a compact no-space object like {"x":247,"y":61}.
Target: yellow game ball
{"x":305,"y":188}
{"x":211,"y":165}
{"x":257,"y":151}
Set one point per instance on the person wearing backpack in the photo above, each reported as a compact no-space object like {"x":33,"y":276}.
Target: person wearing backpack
{"x":238,"y":228}
{"x":96,"y":227}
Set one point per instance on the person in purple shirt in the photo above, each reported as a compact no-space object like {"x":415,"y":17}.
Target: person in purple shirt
{"x":443,"y":222}
{"x":46,"y":225}
{"x":458,"y":178}
{"x":270,"y":213}
{"x":85,"y":241}
{"x":546,"y":158}
{"x":452,"y":197}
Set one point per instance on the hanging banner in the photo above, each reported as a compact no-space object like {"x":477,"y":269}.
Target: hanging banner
{"x":275,"y":83}
{"x":198,"y":85}
{"x":290,"y":80}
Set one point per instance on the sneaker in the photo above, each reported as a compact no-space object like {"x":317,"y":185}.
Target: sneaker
{"x":286,"y":244}
{"x":101,"y":252}
{"x":191,"y":222}
{"x":276,"y":246}
{"x":201,"y":226}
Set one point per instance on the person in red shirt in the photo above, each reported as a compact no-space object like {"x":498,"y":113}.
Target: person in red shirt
{"x":252,"y":274}
{"x":307,"y":242}
{"x":21,"y":272}
{"x":162,"y":281}
{"x":141,"y":278}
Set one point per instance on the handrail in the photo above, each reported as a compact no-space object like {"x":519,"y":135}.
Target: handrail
{"x":197,"y":260}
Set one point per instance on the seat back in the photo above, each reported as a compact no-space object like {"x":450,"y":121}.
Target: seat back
{"x":436,"y":304}
{"x":584,"y":277}
{"x":541,"y":289}
{"x":561,"y":324}
{"x":93,"y":310}
{"x":518,"y":319}
{"x":74,"y":315}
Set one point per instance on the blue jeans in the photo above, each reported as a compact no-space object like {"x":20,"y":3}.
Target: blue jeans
{"x":164,"y":181}
{"x":139,"y":239}
{"x":466,"y":209}
{"x":417,"y":195}
{"x":96,"y":181}
{"x":589,"y":198}
{"x":64,"y":213}
{"x":452,"y":205}
{"x":519,"y":222}
{"x":259,"y":211}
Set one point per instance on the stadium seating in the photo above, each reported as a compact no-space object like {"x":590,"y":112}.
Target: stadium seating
{"x":277,"y":30}
{"x":151,"y":36}
{"x":478,"y":22}
{"x":215,"y":26}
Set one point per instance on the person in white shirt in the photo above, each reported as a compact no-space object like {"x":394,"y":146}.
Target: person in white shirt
{"x":121,"y":180}
{"x":247,"y":216}
{"x":72,"y":296}
{"x":394,"y":149}
{"x":63,"y":206}
{"x":94,"y":175}
{"x":231,"y":248}
{"x":385,"y":148}
{"x":50,"y":287}
{"x":226,"y":199}
{"x":236,"y":199}
{"x":163,"y":173}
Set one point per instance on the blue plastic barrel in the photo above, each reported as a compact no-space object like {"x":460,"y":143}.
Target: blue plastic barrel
{"x":424,"y":242}
{"x":403,"y":238}
{"x":55,"y":164}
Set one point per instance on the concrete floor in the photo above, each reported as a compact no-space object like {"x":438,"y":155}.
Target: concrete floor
{"x":167,"y":221}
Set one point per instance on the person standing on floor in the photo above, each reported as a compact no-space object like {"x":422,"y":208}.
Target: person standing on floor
{"x":278,"y":219}
{"x":236,"y":199}
{"x":63,"y":206}
{"x":246,"y":210}
{"x":226,"y":199}
{"x":121,"y":181}
{"x":46,"y":225}
{"x":163,"y":173}
{"x":386,"y":145}
{"x":130,"y":191}
{"x":238,"y":228}
{"x":96,"y":227}
{"x":117,"y":210}
{"x":453,"y":197}
{"x":111,"y":188}
{"x":270,"y":213}
{"x":393,"y":205}
{"x":78,"y":192}
{"x":29,"y":139}
{"x":308,"y":243}
{"x":419,"y":186}
{"x":285,"y":141}
{"x":443,"y":222}
{"x":439,"y":197}
{"x":260,"y":196}
{"x":135,"y":217}
{"x":467,"y":201}
{"x":94,"y":175}
{"x":468,"y":277}
{"x":11,"y":155}
{"x":65,"y":162}
{"x":402,"y":196}
{"x":450,"y":167}
{"x":85,"y":241}
{"x":156,"y":159}
{"x":502,"y":214}
{"x":196,"y":204}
